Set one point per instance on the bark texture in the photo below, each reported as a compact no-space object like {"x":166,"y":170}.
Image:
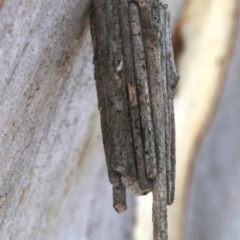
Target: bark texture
{"x":53,"y":182}
{"x":136,"y":79}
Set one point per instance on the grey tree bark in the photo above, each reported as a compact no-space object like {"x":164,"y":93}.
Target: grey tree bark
{"x":53,"y":182}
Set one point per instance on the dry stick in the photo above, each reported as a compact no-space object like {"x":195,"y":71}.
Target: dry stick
{"x":153,"y":27}
{"x":135,"y":78}
{"x":101,"y":72}
{"x":143,"y":92}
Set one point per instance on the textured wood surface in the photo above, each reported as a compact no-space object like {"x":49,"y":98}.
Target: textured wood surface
{"x":53,"y":182}
{"x":136,"y":79}
{"x":49,"y":150}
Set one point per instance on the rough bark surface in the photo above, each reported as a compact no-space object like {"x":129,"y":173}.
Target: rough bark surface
{"x":136,"y":79}
{"x":53,"y":183}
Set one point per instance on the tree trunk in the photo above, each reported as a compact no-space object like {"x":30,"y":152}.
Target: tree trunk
{"x":53,"y":182}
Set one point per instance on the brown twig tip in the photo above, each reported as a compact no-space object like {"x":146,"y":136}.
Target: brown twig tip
{"x":120,"y":208}
{"x":119,"y":199}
